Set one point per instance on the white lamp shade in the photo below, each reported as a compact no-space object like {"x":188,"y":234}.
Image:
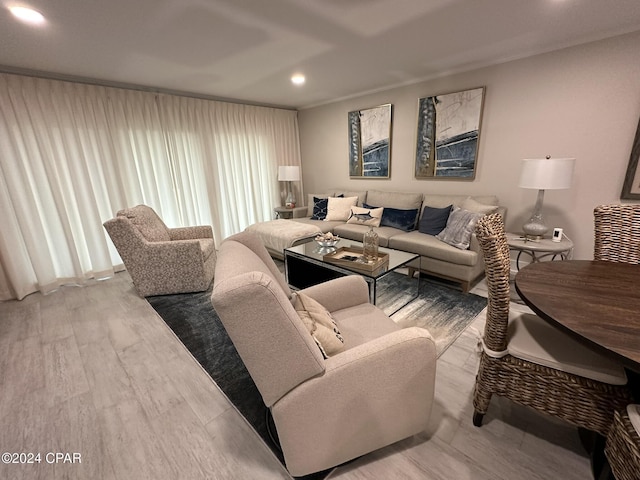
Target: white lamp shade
{"x":288,"y":173}
{"x":547,"y":173}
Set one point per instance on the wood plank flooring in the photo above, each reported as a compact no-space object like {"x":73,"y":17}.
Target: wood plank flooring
{"x":94,"y":370}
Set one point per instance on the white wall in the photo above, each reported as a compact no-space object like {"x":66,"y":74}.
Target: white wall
{"x":581,"y":102}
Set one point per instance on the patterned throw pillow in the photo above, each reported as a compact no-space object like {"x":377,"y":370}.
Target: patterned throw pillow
{"x":434,"y":220}
{"x":366,"y":216}
{"x":320,"y":324}
{"x":459,"y":228}
{"x":319,"y":208}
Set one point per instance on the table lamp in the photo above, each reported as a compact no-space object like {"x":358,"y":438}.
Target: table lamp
{"x":543,"y":174}
{"x":289,"y":174}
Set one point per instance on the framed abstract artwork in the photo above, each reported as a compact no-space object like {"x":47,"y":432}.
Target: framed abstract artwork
{"x":370,"y":142}
{"x":631,"y":185}
{"x":448,"y":135}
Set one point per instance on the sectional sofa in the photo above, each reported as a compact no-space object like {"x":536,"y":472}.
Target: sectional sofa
{"x":437,"y":257}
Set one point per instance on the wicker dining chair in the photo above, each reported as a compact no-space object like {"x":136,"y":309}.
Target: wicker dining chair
{"x":532,"y":362}
{"x":623,"y":444}
{"x":617,"y":233}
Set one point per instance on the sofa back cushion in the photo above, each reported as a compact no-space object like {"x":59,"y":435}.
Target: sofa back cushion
{"x":397,"y":200}
{"x":270,"y":337}
{"x":147,"y":222}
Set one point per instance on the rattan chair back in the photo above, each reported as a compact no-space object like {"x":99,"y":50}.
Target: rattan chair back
{"x":617,"y":233}
{"x":493,"y":241}
{"x":580,"y":401}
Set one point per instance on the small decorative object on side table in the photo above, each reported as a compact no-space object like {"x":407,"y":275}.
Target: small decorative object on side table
{"x":288,"y":213}
{"x":539,"y":249}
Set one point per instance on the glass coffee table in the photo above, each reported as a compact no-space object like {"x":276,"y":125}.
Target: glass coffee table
{"x":388,"y":289}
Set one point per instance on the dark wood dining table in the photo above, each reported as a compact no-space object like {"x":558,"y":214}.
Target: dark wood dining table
{"x":594,"y":300}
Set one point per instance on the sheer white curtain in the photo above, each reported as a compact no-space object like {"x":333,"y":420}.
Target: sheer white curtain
{"x":71,"y":155}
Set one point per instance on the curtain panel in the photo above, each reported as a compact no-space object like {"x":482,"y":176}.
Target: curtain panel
{"x":72,"y":155}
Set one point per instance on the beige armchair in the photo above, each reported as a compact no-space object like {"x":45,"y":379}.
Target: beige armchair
{"x":162,"y":260}
{"x":377,"y":389}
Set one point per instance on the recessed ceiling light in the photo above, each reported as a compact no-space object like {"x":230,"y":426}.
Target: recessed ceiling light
{"x":27,"y":15}
{"x":297,"y":79}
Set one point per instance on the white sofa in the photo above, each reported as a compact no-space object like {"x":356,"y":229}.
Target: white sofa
{"x":436,"y":257}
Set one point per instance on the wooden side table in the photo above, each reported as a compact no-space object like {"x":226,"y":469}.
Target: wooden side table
{"x":539,"y":249}
{"x":288,"y":213}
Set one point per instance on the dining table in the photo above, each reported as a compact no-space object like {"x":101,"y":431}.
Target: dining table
{"x":597,"y":301}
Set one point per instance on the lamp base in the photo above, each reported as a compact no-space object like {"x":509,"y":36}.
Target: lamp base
{"x":290,"y":202}
{"x":535,"y":228}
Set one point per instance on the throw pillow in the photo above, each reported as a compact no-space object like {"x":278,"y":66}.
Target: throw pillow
{"x":320,"y":323}
{"x":340,"y":208}
{"x":398,"y":218}
{"x":434,"y":220}
{"x":319,"y":208}
{"x":475,"y":206}
{"x":366,"y":216}
{"x":459,"y":228}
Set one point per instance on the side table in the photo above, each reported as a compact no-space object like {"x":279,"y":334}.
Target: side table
{"x":539,"y":249}
{"x":288,"y":213}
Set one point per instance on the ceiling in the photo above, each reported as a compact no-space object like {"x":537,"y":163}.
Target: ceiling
{"x":246,"y":50}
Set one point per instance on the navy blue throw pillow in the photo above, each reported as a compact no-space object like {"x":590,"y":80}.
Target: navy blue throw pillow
{"x":319,"y":208}
{"x":397,"y":218}
{"x":434,"y":220}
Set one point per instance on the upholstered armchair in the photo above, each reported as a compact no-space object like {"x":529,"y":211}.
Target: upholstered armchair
{"x":162,"y":260}
{"x":375,"y":389}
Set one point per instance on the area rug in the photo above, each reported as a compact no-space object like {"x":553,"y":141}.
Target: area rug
{"x":443,"y":311}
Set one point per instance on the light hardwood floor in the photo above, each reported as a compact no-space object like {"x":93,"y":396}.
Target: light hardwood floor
{"x":93,"y":370}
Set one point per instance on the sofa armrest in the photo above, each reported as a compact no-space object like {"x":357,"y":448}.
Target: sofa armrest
{"x":369,"y":396}
{"x":340,"y":293}
{"x":191,"y":233}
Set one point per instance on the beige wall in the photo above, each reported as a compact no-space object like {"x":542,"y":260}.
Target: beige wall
{"x":581,"y":102}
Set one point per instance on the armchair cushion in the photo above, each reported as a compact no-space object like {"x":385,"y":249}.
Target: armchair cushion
{"x":320,"y":323}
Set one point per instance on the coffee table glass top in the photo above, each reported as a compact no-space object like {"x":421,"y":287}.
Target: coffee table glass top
{"x":312,"y":250}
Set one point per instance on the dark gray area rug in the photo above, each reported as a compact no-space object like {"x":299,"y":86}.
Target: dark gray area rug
{"x":194,"y":321}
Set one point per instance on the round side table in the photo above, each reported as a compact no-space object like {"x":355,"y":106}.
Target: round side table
{"x":539,"y":249}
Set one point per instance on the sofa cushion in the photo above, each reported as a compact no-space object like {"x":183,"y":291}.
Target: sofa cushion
{"x":366,"y":216}
{"x":433,"y":220}
{"x":478,"y":207}
{"x":320,"y":324}
{"x":324,"y":226}
{"x":430,"y":247}
{"x":361,"y":194}
{"x":147,"y":222}
{"x":401,"y":200}
{"x":339,"y":208}
{"x":460,"y":226}
{"x":356,"y":232}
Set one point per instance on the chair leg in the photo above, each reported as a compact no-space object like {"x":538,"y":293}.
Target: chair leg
{"x":477,"y":418}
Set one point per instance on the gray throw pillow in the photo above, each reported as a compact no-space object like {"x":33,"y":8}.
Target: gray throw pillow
{"x":460,"y":226}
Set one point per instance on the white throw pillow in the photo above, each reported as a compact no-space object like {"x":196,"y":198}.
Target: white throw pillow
{"x":340,"y":208}
{"x":361,"y":216}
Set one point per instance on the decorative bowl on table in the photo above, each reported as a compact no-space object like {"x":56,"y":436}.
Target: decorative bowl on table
{"x":327,"y":242}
